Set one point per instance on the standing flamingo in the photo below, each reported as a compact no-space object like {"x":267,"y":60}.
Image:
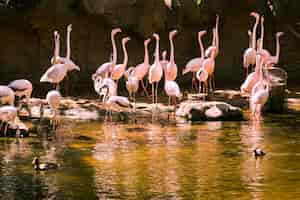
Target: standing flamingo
{"x":132,"y":84}
{"x":155,"y":71}
{"x":196,"y":63}
{"x":99,"y":83}
{"x":105,"y":68}
{"x":7,"y":95}
{"x":273,"y":60}
{"x":209,"y":65}
{"x":171,"y":69}
{"x":53,"y":98}
{"x":202,"y":77}
{"x":8,"y":114}
{"x":249,"y":56}
{"x":164,"y":62}
{"x":215,"y":42}
{"x":55,"y":59}
{"x":142,"y":69}
{"x":173,"y":91}
{"x":118,"y":71}
{"x":259,"y":93}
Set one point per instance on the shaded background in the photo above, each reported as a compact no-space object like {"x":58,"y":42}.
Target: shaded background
{"x":26,"y":35}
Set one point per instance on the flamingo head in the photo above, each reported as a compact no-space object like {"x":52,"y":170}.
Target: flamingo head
{"x":249,"y":33}
{"x":164,"y":55}
{"x":125,"y":40}
{"x":279,"y":34}
{"x":69,"y":28}
{"x":201,"y":33}
{"x":156,"y":36}
{"x":254,"y":14}
{"x":173,"y":33}
{"x":147,"y":41}
{"x":115,"y":31}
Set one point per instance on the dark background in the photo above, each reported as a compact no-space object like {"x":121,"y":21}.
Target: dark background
{"x":26,"y":35}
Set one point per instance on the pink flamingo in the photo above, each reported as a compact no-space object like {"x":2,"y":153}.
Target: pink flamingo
{"x":132,"y":83}
{"x":164,"y":62}
{"x":155,"y":71}
{"x":273,"y":60}
{"x":56,"y":57}
{"x":250,"y":38}
{"x":249,"y":56}
{"x":202,"y":77}
{"x":259,"y":93}
{"x":171,"y":69}
{"x":195,"y":64}
{"x":142,"y":69}
{"x":105,"y":68}
{"x":265,"y":53}
{"x":119,"y":70}
{"x":215,"y":42}
{"x":209,"y":65}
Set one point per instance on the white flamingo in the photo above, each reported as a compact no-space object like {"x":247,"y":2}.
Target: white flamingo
{"x":195,"y":64}
{"x":273,"y":60}
{"x":142,"y":69}
{"x":8,"y":114}
{"x":155,"y":71}
{"x":171,"y":69}
{"x":202,"y":77}
{"x":105,"y":68}
{"x":53,"y":99}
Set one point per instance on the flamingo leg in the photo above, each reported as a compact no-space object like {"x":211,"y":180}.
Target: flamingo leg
{"x":144,"y":88}
{"x":156,"y":89}
{"x":175,"y":105}
{"x":169,"y":102}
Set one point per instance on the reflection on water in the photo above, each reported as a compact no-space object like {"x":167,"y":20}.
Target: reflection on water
{"x":209,"y":160}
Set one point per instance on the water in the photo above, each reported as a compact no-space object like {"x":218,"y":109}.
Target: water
{"x":211,"y":160}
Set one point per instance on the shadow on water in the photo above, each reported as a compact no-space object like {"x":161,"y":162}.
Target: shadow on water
{"x":210,"y":160}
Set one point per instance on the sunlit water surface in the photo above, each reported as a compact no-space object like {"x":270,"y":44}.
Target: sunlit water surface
{"x":211,"y":160}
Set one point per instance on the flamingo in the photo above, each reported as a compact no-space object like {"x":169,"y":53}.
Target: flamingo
{"x":99,"y":83}
{"x":202,"y":77}
{"x":155,"y":71}
{"x":132,"y":84}
{"x":250,"y":38}
{"x":22,"y":88}
{"x":171,"y":69}
{"x":53,"y":99}
{"x":172,"y":90}
{"x":105,"y":68}
{"x":164,"y":62}
{"x":7,"y":95}
{"x":8,"y":114}
{"x":259,"y":93}
{"x":142,"y":69}
{"x":55,"y":59}
{"x":265,"y":53}
{"x":209,"y":65}
{"x":273,"y":60}
{"x":195,"y":64}
{"x":118,"y":71}
{"x":215,"y":42}
{"x":249,"y":56}
{"x":113,"y":101}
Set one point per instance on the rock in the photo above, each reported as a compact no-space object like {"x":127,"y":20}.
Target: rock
{"x":209,"y":111}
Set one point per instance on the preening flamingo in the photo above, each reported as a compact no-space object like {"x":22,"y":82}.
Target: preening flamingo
{"x":99,"y":83}
{"x":7,"y":95}
{"x":171,"y":69}
{"x":53,"y":99}
{"x":215,"y":42}
{"x":202,"y":77}
{"x":249,"y":56}
{"x":8,"y":114}
{"x":195,"y":64}
{"x":118,"y":70}
{"x":155,"y":71}
{"x":22,"y":88}
{"x":209,"y":65}
{"x":132,"y":84}
{"x":105,"y":68}
{"x":259,"y":93}
{"x":142,"y":69}
{"x":273,"y":60}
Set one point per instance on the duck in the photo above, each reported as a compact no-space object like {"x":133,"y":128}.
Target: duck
{"x":258,"y":152}
{"x":43,"y":166}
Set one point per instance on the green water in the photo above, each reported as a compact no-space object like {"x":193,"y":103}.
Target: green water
{"x":210,"y":160}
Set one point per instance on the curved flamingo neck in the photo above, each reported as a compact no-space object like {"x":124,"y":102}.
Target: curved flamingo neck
{"x":56,"y":47}
{"x":250,"y":41}
{"x":68,"y":44}
{"x":214,"y":36}
{"x":114,"y":61}
{"x":201,"y":46}
{"x":125,"y":53}
{"x":172,"y":49}
{"x":146,"y":57}
{"x":277,"y":48}
{"x":217,"y":34}
{"x":254,"y":33}
{"x":262,"y":36}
